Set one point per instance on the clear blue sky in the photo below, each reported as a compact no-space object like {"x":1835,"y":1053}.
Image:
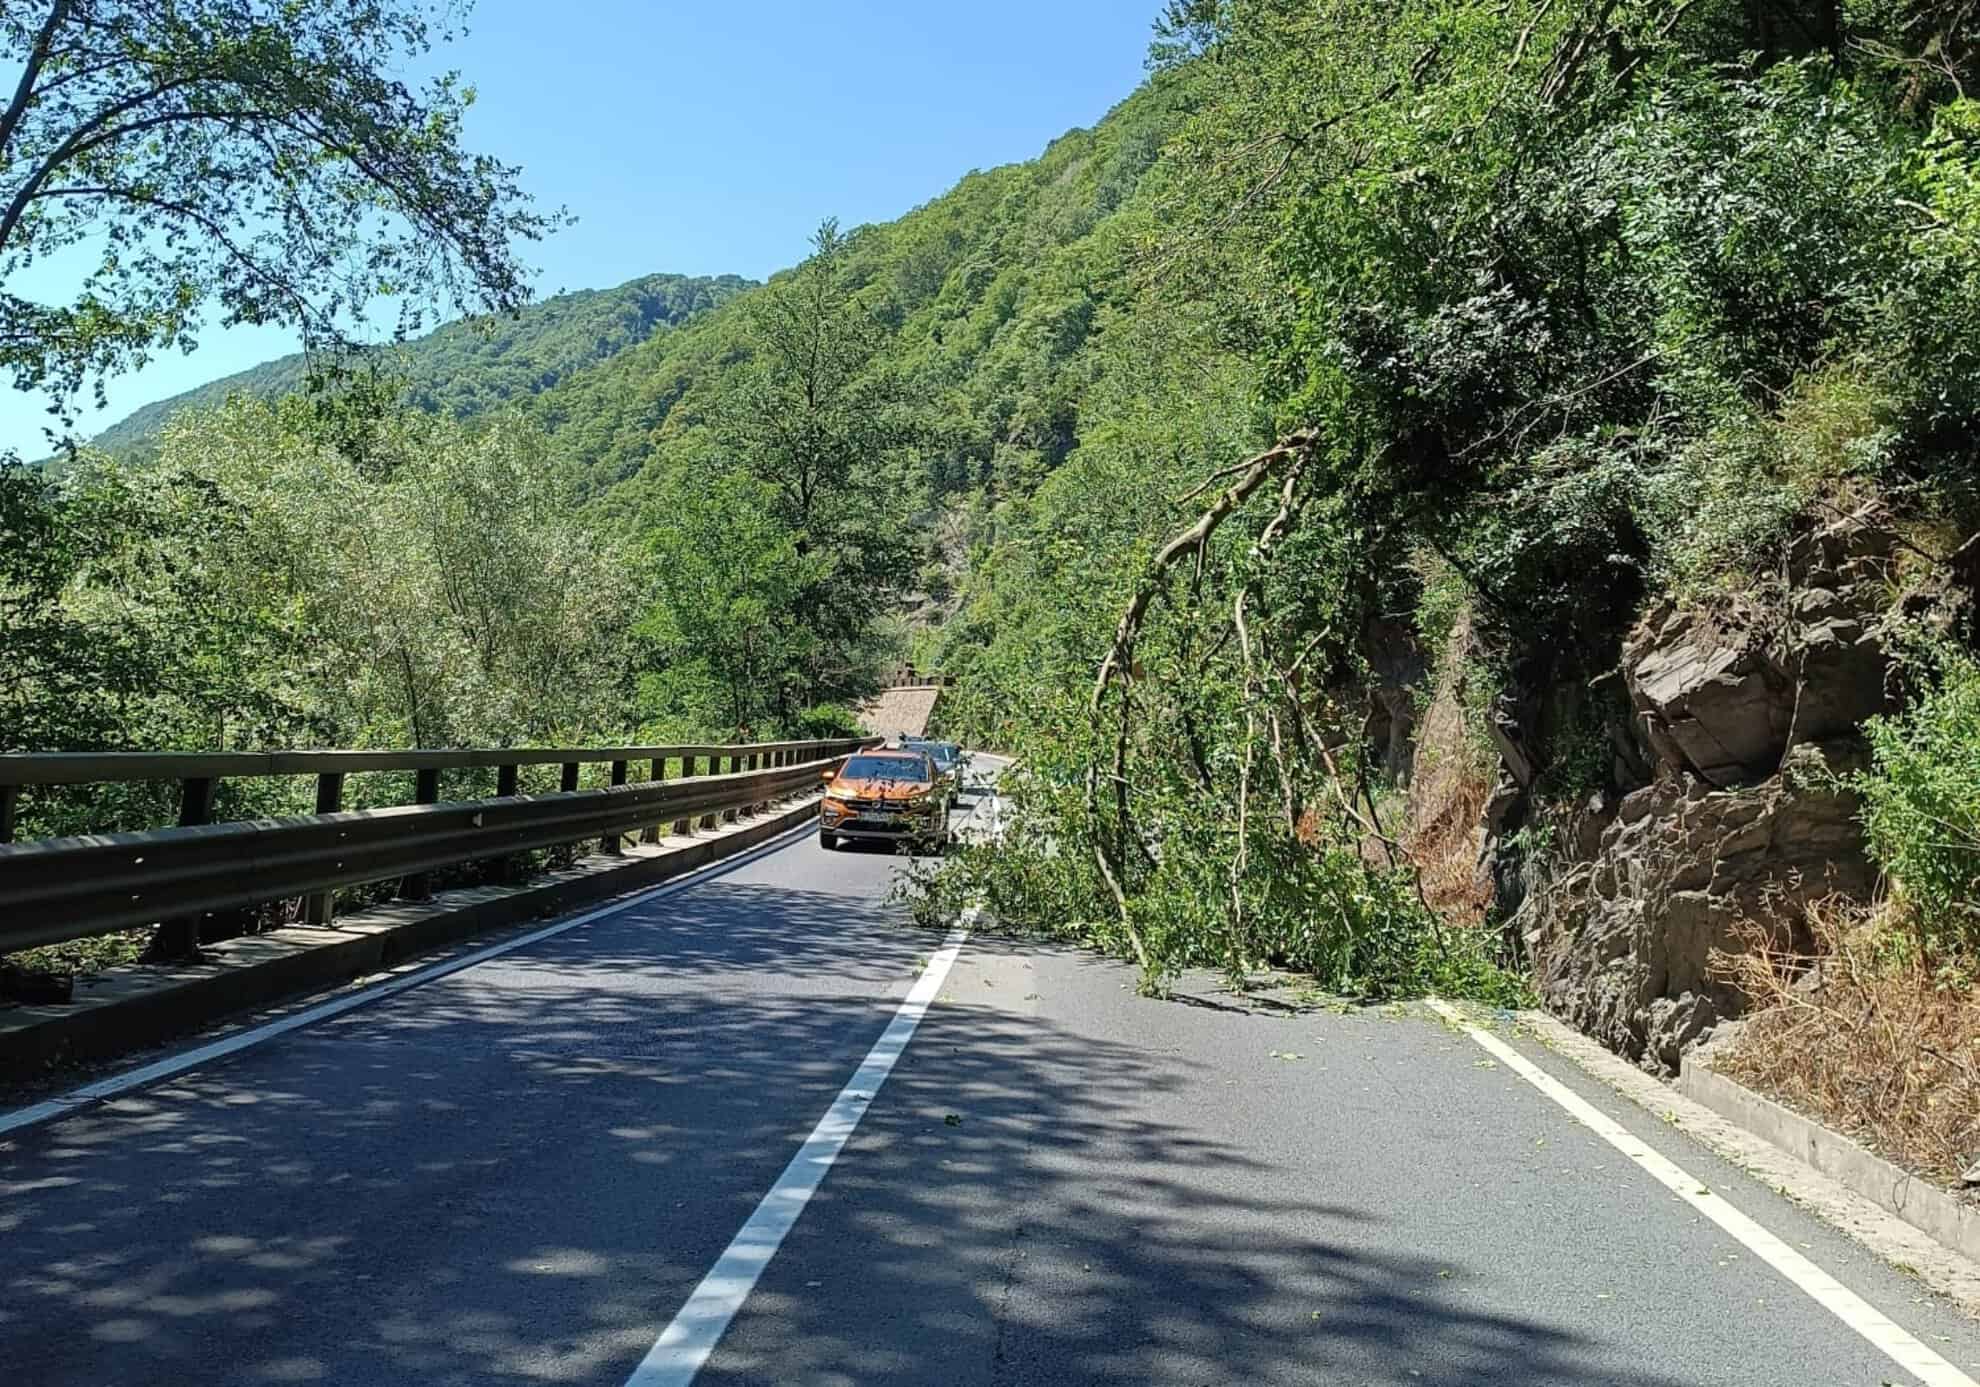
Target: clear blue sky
{"x":704,"y":139}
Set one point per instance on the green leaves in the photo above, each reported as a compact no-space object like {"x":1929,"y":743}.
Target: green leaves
{"x":268,"y":166}
{"x":1921,"y":803}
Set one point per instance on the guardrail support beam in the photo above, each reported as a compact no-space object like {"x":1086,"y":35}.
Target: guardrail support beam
{"x":683,"y":826}
{"x":318,"y":909}
{"x":426,"y":790}
{"x":658,"y":773}
{"x":179,"y":939}
{"x":729,"y":816}
{"x":610,"y":844}
{"x":714,"y":768}
{"x":10,"y":807}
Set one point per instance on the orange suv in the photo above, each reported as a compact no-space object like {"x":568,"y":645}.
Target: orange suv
{"x":890,"y":796}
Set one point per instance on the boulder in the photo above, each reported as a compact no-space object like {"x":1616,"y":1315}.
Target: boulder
{"x":1843,"y":669}
{"x":1710,"y":697}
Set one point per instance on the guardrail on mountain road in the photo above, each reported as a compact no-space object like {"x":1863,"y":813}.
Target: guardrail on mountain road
{"x":55,"y":890}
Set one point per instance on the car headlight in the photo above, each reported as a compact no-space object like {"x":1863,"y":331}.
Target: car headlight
{"x":837,"y":793}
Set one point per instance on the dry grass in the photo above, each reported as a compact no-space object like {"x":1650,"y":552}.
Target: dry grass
{"x":1863,"y":1034}
{"x":1449,"y":785}
{"x":1445,"y":849}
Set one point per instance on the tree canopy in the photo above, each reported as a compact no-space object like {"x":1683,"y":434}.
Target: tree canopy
{"x":255,"y":158}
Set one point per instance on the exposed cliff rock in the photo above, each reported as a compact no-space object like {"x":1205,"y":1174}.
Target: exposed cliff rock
{"x":1623,"y":940}
{"x":1724,"y":694}
{"x":1745,"y":713}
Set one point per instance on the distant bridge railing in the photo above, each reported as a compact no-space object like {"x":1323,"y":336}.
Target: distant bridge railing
{"x":55,"y":890}
{"x":907,"y":677}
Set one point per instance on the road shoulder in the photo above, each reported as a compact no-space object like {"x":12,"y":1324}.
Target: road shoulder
{"x":1569,"y":1055}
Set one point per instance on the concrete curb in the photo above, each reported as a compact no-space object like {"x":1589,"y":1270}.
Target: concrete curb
{"x":131,"y":1007}
{"x":1925,"y":1206}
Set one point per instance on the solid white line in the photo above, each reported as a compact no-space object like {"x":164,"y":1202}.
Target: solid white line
{"x":1888,"y":1338}
{"x":683,"y":1347}
{"x":173,"y":1065}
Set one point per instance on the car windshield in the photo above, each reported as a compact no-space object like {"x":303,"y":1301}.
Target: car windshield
{"x":945,"y":754}
{"x":886,"y":768}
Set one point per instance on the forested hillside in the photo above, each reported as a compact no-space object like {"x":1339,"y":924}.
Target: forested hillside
{"x":468,"y":368}
{"x":984,"y":306}
{"x":1416,"y":485}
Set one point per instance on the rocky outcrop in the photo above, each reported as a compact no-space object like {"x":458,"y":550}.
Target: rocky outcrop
{"x":1746,"y":714}
{"x":1623,"y":945}
{"x":1725,"y":694}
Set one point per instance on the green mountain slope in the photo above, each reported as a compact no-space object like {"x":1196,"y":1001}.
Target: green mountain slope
{"x":989,"y":295}
{"x":465,"y":369}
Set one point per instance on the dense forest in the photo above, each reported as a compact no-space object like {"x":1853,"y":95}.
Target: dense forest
{"x":467,"y":368}
{"x":1308,"y":472}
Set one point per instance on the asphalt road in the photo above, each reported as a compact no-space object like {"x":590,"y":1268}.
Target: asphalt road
{"x":519,"y":1174}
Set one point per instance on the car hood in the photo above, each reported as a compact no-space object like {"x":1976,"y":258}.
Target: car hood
{"x":882,"y":789}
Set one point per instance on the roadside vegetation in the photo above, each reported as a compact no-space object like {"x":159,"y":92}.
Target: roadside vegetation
{"x":1494,"y":321}
{"x":1280,"y":466}
{"x":1869,"y":1015}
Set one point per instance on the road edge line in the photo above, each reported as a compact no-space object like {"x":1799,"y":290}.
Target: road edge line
{"x":1868,"y":1322}
{"x":684,"y":1346}
{"x":1899,"y":1243}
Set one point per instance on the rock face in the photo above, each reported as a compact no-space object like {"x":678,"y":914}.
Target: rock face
{"x":1724,"y":695}
{"x":1745,"y":714}
{"x":1397,"y":666}
{"x":1624,"y":943}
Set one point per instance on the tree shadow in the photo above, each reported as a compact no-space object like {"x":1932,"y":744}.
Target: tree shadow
{"x":517,"y":1174}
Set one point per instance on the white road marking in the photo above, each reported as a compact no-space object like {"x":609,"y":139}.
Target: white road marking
{"x":683,"y":1347}
{"x":173,"y":1065}
{"x":1888,"y":1338}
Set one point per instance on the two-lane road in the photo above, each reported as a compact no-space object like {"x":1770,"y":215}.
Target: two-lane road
{"x":520,"y":1173}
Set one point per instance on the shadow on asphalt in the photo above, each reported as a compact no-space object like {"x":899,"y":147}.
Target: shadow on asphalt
{"x":515,"y":1176}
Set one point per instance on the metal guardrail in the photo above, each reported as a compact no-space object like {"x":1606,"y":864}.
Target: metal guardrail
{"x":103,"y":767}
{"x":908,"y":677}
{"x":61,"y":889}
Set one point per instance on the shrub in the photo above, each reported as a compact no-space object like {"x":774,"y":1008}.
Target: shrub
{"x":1921,"y":804}
{"x":824,"y":722}
{"x":1875,"y":1042}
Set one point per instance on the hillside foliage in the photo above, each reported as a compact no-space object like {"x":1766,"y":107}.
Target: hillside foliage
{"x":1368,"y":346}
{"x":466,"y":368}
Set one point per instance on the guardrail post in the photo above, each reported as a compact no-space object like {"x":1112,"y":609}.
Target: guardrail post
{"x":569,"y":783}
{"x":729,"y":816}
{"x":179,"y":938}
{"x":318,"y":909}
{"x":426,"y":790}
{"x":714,"y":768}
{"x":651,"y":834}
{"x":10,"y":804}
{"x":610,"y":844}
{"x":682,"y":826}
{"x":510,"y":869}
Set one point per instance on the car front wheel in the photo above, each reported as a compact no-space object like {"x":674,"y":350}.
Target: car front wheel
{"x":828,"y":841}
